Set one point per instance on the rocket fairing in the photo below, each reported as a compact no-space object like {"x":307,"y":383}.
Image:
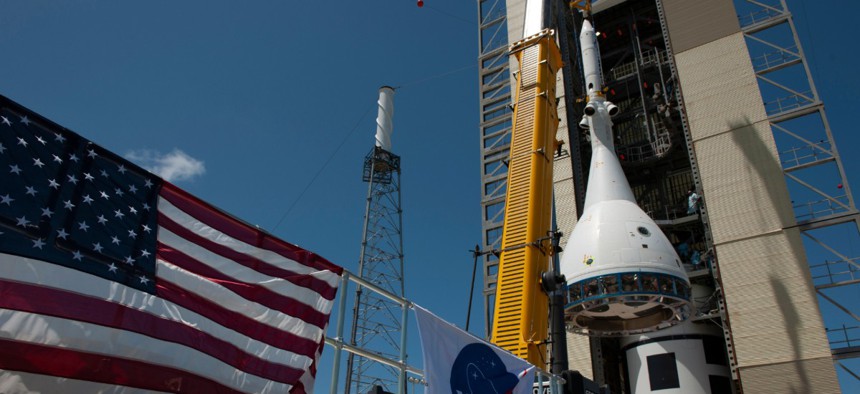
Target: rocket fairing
{"x":590,"y":64}
{"x":622,"y":274}
{"x":385,"y":114}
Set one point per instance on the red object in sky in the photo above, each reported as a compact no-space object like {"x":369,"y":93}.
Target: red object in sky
{"x":420,"y":3}
{"x":839,"y":186}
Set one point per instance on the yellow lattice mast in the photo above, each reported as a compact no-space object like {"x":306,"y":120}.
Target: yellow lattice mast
{"x":520,"y":319}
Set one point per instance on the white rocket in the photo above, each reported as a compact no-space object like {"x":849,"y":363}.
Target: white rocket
{"x":384,"y":117}
{"x":623,"y":275}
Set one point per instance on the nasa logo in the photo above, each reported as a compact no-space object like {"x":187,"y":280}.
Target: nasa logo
{"x":479,"y":370}
{"x":587,"y":260}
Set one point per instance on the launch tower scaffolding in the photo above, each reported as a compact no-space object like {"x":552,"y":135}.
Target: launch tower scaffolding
{"x":821,"y":197}
{"x":377,"y":323}
{"x":496,"y":123}
{"x":665,"y":155}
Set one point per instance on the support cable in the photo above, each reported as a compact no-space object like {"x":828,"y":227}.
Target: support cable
{"x":323,"y":167}
{"x":351,"y":132}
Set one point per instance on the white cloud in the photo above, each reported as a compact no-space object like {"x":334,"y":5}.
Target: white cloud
{"x":173,"y":166}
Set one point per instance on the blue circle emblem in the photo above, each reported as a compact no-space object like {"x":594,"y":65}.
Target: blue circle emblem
{"x":479,"y":370}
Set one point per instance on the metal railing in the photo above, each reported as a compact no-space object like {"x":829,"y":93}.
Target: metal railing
{"x":800,"y":155}
{"x":648,"y":58}
{"x":788,"y":103}
{"x":622,"y":71}
{"x":843,"y":337}
{"x":759,"y":16}
{"x":646,"y":150}
{"x":776,"y":58}
{"x":657,"y":57}
{"x":542,"y":378}
{"x":820,"y":208}
{"x":830,"y":273}
{"x":340,"y":345}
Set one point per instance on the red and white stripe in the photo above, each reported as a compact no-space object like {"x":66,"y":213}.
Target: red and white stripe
{"x":236,"y":310}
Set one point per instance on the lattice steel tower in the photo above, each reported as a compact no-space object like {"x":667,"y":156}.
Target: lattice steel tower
{"x":376,"y":322}
{"x":717,"y":101}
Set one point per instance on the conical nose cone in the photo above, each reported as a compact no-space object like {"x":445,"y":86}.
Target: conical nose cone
{"x":586,"y":25}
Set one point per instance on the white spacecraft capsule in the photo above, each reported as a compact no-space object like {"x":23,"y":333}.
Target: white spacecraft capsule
{"x":622,"y":274}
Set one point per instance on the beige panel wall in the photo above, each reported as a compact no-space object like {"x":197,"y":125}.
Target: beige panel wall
{"x":579,"y":355}
{"x":773,"y":311}
{"x":516,"y":15}
{"x":697,"y":22}
{"x":776,"y":324}
{"x":565,"y":198}
{"x":744,"y":189}
{"x":808,"y":376}
{"x":719,"y":87}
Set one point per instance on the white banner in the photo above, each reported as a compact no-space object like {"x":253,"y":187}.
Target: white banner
{"x":457,"y":362}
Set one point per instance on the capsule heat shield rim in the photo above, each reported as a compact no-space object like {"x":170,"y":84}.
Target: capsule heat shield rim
{"x":626,"y":303}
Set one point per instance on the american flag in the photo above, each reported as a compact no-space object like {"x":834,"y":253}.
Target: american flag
{"x":112,"y":279}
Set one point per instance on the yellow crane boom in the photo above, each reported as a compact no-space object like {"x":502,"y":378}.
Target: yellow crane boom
{"x":521,"y":316}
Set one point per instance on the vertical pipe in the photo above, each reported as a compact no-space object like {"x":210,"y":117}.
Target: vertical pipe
{"x":540,"y":381}
{"x":637,"y":59}
{"x":558,"y":357}
{"x":559,"y":341}
{"x":662,"y":78}
{"x":557,"y":386}
{"x":476,"y":253}
{"x":341,"y":309}
{"x":402,"y":383}
{"x":400,"y":229}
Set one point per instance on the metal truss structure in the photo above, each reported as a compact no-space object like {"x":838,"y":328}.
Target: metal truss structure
{"x":552,"y":384}
{"x":377,"y":324}
{"x":823,"y":205}
{"x":495,"y":127}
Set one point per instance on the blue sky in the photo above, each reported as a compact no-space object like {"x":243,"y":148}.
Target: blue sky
{"x":267,"y":109}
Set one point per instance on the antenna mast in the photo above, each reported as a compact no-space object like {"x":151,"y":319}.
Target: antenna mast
{"x":376,"y":323}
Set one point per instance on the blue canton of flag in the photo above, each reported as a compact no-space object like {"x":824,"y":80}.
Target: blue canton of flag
{"x":68,"y":201}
